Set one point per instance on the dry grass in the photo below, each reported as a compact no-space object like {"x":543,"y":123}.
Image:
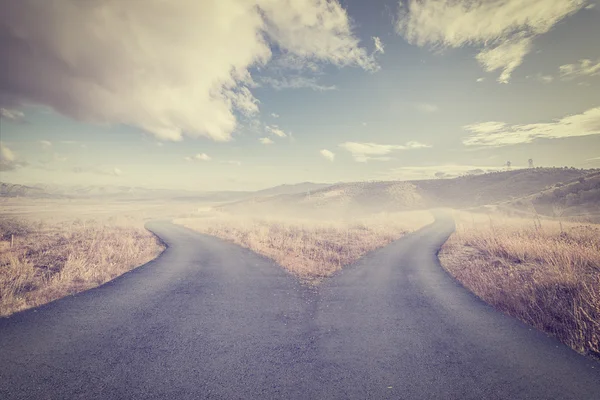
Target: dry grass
{"x":546,"y":273}
{"x":50,"y":261}
{"x":311,"y":249}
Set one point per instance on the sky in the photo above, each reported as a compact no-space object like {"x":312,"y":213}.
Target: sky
{"x":247,"y":94}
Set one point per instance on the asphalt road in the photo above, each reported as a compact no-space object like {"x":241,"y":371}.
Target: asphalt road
{"x":210,"y":320}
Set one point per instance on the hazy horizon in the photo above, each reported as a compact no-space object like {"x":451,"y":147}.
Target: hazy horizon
{"x":247,"y":95}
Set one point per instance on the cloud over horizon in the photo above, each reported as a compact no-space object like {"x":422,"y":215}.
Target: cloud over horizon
{"x":363,"y":152}
{"x":8,"y":159}
{"x":104,"y":171}
{"x":265,"y":140}
{"x":443,"y":171}
{"x":496,"y":134}
{"x":115,"y":62}
{"x":328,"y":155}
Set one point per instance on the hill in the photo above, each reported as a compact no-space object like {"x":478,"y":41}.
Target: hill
{"x":134,"y":193}
{"x":303,"y":187}
{"x":495,"y":187}
{"x":578,"y":197}
{"x":364,"y":197}
{"x":13,"y":190}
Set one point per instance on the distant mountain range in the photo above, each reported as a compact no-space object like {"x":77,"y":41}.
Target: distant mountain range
{"x":139,"y":193}
{"x":12,"y":190}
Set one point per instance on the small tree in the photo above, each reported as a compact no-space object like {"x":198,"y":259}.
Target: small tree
{"x":508,"y":164}
{"x":530,"y":161}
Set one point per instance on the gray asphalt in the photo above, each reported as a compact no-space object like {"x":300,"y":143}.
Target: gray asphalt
{"x":210,"y":320}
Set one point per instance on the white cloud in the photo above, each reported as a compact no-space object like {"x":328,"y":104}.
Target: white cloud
{"x":202,"y":157}
{"x":6,"y":154}
{"x":502,"y":29}
{"x":171,"y":68}
{"x":276,"y":131}
{"x":436,"y":171}
{"x":295,"y":82}
{"x":105,"y":171}
{"x":363,"y":152}
{"x":502,"y":134}
{"x":7,"y":158}
{"x":265,"y":140}
{"x":379,"y":48}
{"x":13,"y":115}
{"x":274,"y":115}
{"x":506,"y":56}
{"x":198,"y":157}
{"x":315,"y":30}
{"x":426,"y":108}
{"x":541,"y":77}
{"x":416,"y":145}
{"x":328,"y":155}
{"x":46,"y":144}
{"x":584,"y":67}
{"x":480,"y":79}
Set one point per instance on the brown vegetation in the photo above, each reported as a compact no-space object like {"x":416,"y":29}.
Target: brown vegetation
{"x":311,"y":249}
{"x":544,"y":272}
{"x":50,"y":261}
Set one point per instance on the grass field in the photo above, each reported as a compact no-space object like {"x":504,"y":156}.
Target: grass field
{"x":43,"y":261}
{"x":311,"y":249}
{"x":544,"y":272}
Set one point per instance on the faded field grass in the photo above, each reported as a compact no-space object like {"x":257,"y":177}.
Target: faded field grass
{"x":48,"y":261}
{"x":544,"y":272}
{"x":311,"y":249}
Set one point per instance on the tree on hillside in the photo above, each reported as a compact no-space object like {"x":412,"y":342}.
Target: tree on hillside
{"x":508,"y":164}
{"x":530,"y":161}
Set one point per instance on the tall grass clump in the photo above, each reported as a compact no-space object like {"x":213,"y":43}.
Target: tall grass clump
{"x":544,"y":272}
{"x":49,"y":261}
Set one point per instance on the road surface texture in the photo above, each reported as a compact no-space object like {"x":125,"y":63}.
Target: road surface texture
{"x":210,"y":320}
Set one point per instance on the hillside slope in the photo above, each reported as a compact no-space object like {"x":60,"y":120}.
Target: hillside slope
{"x":578,"y":197}
{"x":14,"y":190}
{"x":364,"y":197}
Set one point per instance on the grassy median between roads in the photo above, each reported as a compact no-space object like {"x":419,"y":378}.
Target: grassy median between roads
{"x":311,"y":249}
{"x":544,"y":272}
{"x":41,"y":262}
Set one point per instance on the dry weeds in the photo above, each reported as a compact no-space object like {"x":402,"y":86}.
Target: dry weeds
{"x":546,"y":273}
{"x":311,"y":249}
{"x":50,"y":261}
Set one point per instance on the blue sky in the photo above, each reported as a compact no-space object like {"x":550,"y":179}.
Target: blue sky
{"x":232,"y":94}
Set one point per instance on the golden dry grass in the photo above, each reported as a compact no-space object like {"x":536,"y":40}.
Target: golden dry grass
{"x":311,"y":249}
{"x":50,"y":261}
{"x":544,"y":272}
